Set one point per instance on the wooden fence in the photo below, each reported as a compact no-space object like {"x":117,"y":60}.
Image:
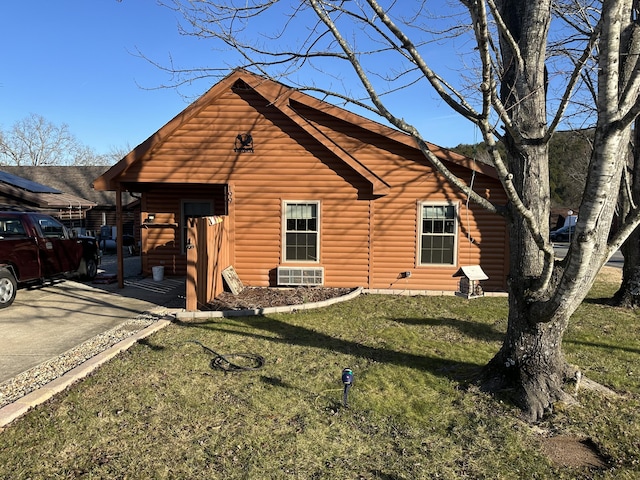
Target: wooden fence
{"x":207,"y":256}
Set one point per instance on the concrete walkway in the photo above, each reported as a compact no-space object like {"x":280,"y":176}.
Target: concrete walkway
{"x":46,"y":321}
{"x":15,"y":410}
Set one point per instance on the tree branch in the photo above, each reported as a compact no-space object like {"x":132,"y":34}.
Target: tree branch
{"x":399,"y":123}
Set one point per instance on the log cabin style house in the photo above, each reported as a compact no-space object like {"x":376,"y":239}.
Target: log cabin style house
{"x":310,"y":191}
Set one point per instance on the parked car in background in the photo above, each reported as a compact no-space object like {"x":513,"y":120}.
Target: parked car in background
{"x":563,"y":234}
{"x":35,"y":247}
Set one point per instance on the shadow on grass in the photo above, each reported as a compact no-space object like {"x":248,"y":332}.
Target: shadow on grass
{"x":288,"y":334}
{"x":147,"y":343}
{"x":604,"y":346}
{"x":275,"y":382}
{"x":476,"y":330}
{"x":603,"y":301}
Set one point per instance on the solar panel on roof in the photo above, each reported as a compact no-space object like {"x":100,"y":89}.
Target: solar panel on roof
{"x":28,"y":185}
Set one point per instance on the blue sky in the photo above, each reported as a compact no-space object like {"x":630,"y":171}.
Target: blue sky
{"x":74,"y":62}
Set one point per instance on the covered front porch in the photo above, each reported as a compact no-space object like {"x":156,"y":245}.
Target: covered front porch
{"x":165,"y":209}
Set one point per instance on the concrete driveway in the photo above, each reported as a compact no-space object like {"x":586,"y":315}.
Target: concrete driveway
{"x":46,"y":321}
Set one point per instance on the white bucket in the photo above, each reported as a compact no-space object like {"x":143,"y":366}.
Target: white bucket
{"x":158,"y":273}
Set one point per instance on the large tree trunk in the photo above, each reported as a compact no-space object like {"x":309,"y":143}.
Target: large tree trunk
{"x":628,"y":295}
{"x":530,"y":366}
{"x":530,"y":362}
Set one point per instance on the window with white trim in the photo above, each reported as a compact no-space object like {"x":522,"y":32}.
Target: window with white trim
{"x":301,"y":231}
{"x":438,"y":234}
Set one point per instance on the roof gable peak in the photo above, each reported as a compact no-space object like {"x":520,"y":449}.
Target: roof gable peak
{"x":282,"y":97}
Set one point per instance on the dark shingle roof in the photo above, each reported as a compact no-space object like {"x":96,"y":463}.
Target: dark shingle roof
{"x":73,"y":180}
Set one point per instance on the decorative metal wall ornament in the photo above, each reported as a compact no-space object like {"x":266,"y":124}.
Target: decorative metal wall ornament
{"x":243,"y":143}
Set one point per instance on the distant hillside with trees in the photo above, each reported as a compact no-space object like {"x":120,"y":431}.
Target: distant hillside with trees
{"x":569,"y":153}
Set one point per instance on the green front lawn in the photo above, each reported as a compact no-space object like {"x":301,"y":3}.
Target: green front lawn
{"x":160,"y":411}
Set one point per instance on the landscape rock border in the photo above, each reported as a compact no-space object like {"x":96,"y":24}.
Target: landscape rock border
{"x":267,"y":310}
{"x":40,"y":383}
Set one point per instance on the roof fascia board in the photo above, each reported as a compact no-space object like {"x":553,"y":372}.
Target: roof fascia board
{"x":51,"y":201}
{"x":108,"y":180}
{"x":398,"y":136}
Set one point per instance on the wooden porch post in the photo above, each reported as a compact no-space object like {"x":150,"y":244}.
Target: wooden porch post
{"x":192,"y":270}
{"x":119,"y":226}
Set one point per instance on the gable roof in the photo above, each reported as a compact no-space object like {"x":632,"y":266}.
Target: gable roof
{"x":39,"y":192}
{"x":287,"y":100}
{"x":72,"y":180}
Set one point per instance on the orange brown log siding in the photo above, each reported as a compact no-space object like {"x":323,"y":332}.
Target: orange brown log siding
{"x":365,"y":240}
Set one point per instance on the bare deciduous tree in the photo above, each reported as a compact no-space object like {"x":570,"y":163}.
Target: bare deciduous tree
{"x":35,"y":141}
{"x":523,"y":91}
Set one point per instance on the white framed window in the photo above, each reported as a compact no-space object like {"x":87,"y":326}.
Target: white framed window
{"x":193,"y":209}
{"x":301,"y":227}
{"x":438,"y":240}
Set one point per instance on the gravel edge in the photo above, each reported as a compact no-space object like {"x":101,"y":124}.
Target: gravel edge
{"x":44,"y":373}
{"x":39,"y":376}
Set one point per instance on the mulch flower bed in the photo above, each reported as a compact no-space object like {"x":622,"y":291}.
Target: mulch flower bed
{"x":260,"y":297}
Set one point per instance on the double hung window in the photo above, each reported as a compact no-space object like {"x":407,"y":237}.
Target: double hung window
{"x":301,"y":231}
{"x":438,"y":234}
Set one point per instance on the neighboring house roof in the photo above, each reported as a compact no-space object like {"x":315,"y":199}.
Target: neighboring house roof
{"x":299,"y":108}
{"x":72,"y":180}
{"x":39,"y":195}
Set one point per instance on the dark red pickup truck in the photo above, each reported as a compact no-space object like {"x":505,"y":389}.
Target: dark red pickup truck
{"x":35,"y":247}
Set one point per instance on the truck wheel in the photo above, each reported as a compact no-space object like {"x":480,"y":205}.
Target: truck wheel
{"x":8,"y":287}
{"x":88,"y":269}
